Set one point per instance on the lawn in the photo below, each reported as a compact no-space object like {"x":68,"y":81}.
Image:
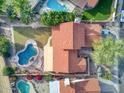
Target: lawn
{"x":102,"y":11}
{"x":40,"y":35}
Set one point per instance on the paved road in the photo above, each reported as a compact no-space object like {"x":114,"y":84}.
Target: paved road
{"x":121,"y":36}
{"x":121,"y":33}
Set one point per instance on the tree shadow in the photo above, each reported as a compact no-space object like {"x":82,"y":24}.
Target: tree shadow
{"x":18,"y":47}
{"x":40,"y":45}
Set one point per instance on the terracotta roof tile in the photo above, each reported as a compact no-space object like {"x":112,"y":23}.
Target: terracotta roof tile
{"x":92,"y":3}
{"x":83,"y":3}
{"x":87,"y":86}
{"x":67,"y":39}
{"x":79,"y":3}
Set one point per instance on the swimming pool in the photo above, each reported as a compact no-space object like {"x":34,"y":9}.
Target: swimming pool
{"x":23,"y":86}
{"x":54,"y":5}
{"x":27,"y":54}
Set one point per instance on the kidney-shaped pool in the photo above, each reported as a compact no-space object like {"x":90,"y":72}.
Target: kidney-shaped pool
{"x":27,"y":54}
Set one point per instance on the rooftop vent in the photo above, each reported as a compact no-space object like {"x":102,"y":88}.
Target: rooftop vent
{"x":77,"y":20}
{"x":66,"y":82}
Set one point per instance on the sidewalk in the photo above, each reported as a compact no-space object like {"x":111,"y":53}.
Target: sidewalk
{"x":5,"y":86}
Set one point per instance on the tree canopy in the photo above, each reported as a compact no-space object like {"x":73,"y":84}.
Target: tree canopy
{"x":26,"y":13}
{"x":4,"y":46}
{"x":20,"y":9}
{"x":8,"y":71}
{"x":2,"y":2}
{"x":11,"y":13}
{"x":107,"y":50}
{"x":55,"y":18}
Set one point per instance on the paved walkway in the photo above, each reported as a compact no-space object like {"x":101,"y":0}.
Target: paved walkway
{"x":108,"y":86}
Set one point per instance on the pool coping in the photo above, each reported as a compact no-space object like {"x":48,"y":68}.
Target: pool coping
{"x":29,"y":83}
{"x":18,"y":82}
{"x":29,"y":62}
{"x":45,"y":8}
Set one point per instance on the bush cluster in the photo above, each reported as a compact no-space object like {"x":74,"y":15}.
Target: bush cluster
{"x":53,"y":18}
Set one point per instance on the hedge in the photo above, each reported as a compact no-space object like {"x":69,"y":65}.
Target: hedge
{"x":53,"y":18}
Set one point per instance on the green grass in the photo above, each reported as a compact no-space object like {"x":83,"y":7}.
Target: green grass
{"x":40,"y":35}
{"x":102,"y":11}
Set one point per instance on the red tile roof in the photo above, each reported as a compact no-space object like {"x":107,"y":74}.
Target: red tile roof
{"x":89,"y":86}
{"x":67,"y":39}
{"x":79,"y":3}
{"x":66,"y":89}
{"x":83,"y":3}
{"x":92,"y":34}
{"x":92,"y":3}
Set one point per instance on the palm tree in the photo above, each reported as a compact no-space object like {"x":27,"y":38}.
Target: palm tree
{"x":107,"y":50}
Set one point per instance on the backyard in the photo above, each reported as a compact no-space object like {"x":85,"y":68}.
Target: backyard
{"x":102,"y":11}
{"x":22,"y":34}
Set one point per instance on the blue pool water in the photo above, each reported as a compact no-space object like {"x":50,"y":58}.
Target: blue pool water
{"x":54,"y":5}
{"x":23,"y":87}
{"x":27,"y":54}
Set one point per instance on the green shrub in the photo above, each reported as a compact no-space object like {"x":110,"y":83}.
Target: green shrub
{"x":8,"y":71}
{"x":107,"y":76}
{"x":2,"y":2}
{"x":53,"y":18}
{"x":4,"y":46}
{"x":11,"y":13}
{"x":48,"y":77}
{"x":26,"y":14}
{"x":20,"y":9}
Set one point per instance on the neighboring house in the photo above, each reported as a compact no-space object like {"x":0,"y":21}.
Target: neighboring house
{"x":92,"y":3}
{"x":67,"y":39}
{"x":84,"y":3}
{"x":66,"y":85}
{"x":78,"y":86}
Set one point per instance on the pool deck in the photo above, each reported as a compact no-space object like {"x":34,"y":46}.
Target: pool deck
{"x":42,"y":86}
{"x":31,"y":88}
{"x":70,"y":7}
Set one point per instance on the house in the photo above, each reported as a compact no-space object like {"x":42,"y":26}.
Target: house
{"x":67,"y":39}
{"x":66,"y":85}
{"x":84,"y":3}
{"x":78,"y":86}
